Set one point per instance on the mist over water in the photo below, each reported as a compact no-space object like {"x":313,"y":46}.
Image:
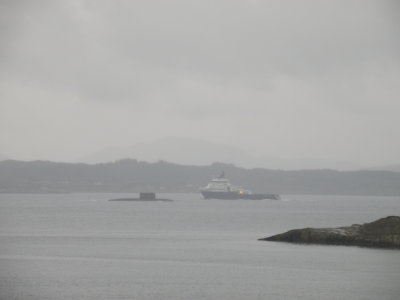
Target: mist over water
{"x":81,"y":246}
{"x":314,"y":84}
{"x":267,"y":86}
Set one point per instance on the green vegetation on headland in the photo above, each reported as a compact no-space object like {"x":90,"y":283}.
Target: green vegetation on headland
{"x":130,"y":175}
{"x":383,"y":233}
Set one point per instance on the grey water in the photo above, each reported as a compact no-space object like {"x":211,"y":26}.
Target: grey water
{"x":81,"y":246}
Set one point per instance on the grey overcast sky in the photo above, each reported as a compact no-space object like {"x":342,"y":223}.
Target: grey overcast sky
{"x":278,"y":78}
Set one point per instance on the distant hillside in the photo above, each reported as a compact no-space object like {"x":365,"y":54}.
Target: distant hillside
{"x":176,"y":150}
{"x":134,"y":176}
{"x":393,"y":168}
{"x":181,"y":150}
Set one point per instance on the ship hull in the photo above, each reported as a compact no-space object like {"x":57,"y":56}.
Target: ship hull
{"x":237,"y":196}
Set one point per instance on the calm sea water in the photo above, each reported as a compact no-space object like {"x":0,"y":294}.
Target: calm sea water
{"x":81,"y":246}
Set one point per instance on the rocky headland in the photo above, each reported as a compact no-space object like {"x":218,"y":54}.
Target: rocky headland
{"x":382,"y":233}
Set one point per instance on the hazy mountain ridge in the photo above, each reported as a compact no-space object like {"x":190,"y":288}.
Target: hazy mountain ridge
{"x":191,"y":151}
{"x":393,"y":168}
{"x":3,"y":157}
{"x":134,"y":176}
{"x":176,"y":150}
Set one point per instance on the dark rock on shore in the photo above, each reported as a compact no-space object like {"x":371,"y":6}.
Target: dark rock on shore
{"x":383,"y":233}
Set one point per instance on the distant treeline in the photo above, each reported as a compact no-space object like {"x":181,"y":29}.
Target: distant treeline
{"x":129,"y":175}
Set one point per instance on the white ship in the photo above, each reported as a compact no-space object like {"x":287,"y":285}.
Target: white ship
{"x":220,"y":188}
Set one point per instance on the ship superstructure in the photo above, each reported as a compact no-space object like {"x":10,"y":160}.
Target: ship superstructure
{"x":220,"y":188}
